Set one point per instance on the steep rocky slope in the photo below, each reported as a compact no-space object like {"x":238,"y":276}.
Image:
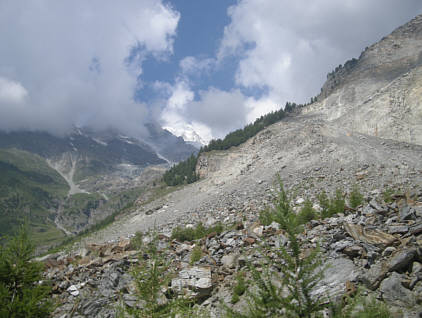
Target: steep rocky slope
{"x":380,"y":93}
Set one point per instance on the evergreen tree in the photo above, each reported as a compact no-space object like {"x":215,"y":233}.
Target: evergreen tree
{"x":356,"y":198}
{"x":21,"y":293}
{"x":297,"y":274}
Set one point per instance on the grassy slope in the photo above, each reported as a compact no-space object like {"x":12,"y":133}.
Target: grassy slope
{"x":29,"y":188}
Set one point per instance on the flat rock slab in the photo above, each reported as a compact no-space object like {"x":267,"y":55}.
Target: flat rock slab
{"x":193,"y":280}
{"x":339,"y":271}
{"x":374,"y":237}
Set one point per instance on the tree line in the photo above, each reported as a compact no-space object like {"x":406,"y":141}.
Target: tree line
{"x":184,"y":171}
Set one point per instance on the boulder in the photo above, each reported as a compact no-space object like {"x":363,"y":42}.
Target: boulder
{"x":338,"y":272}
{"x":373,"y":277}
{"x":407,"y":213}
{"x":402,"y":260}
{"x":393,"y":291}
{"x":375,"y":237}
{"x":195,"y":281}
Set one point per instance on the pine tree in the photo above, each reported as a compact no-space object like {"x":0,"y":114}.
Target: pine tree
{"x":21,"y":294}
{"x":296,"y":274}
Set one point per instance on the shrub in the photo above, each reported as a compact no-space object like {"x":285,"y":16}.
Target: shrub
{"x":265,"y":217}
{"x":387,"y":195}
{"x":295,"y":274}
{"x":307,"y":213}
{"x":239,"y":288}
{"x":196,"y":254}
{"x":152,"y":276}
{"x":324,"y":203}
{"x":361,"y":307}
{"x":337,"y":204}
{"x":356,"y":198}
{"x":21,"y":294}
{"x":196,"y":233}
{"x":137,"y":241}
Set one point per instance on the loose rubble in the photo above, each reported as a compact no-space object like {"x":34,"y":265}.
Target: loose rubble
{"x":359,"y":246}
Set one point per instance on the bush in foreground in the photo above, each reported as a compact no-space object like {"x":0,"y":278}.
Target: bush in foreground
{"x":21,"y":293}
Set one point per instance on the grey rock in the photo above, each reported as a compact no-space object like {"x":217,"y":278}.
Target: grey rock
{"x":407,"y":213}
{"x":91,"y":308}
{"x":196,"y":279}
{"x":402,"y":260}
{"x":229,"y":261}
{"x":73,"y":290}
{"x":393,"y":291}
{"x":339,"y":271}
{"x":373,"y":277}
{"x":398,"y":229}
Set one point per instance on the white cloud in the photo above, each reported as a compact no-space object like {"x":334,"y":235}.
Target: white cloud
{"x":284,"y":49}
{"x":11,"y":92}
{"x":76,"y":60}
{"x":191,"y":65}
{"x":288,"y":47}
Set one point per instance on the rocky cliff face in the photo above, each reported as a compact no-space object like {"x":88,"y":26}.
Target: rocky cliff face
{"x":380,"y":93}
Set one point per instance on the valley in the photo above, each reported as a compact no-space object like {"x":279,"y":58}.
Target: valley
{"x":320,"y":207}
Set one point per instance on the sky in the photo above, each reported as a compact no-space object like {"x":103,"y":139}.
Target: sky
{"x":199,"y":68}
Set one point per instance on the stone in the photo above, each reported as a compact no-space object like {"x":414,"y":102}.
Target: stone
{"x":196,"y":279}
{"x":407,"y":213}
{"x":354,"y":251}
{"x":375,"y":237}
{"x":339,"y":271}
{"x":132,"y":301}
{"x":249,"y":241}
{"x":91,"y":308}
{"x":388,"y":251}
{"x":373,"y":277}
{"x":210,"y":221}
{"x":259,"y":230}
{"x":416,"y":229}
{"x":73,"y":290}
{"x":416,"y":268}
{"x":229,"y":261}
{"x":393,"y":291}
{"x":374,"y":204}
{"x":398,"y":229}
{"x":402,"y":260}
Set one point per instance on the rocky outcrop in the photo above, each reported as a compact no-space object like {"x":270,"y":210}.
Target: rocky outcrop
{"x":379,"y":94}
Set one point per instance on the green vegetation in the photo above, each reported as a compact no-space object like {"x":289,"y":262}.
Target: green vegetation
{"x":29,"y":188}
{"x":184,"y":171}
{"x":355,"y":198}
{"x":136,"y":242}
{"x":387,"y":195}
{"x":331,"y":206}
{"x":195,"y":233}
{"x":361,"y":307}
{"x":196,"y":254}
{"x":21,"y":294}
{"x":297,"y":274}
{"x":82,"y":203}
{"x":120,"y":204}
{"x":240,"y":287}
{"x":307,"y":213}
{"x":152,"y":276}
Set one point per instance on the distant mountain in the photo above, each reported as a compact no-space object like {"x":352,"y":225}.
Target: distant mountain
{"x":190,"y":136}
{"x":169,"y":146}
{"x":64,"y":185}
{"x":95,"y":153}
